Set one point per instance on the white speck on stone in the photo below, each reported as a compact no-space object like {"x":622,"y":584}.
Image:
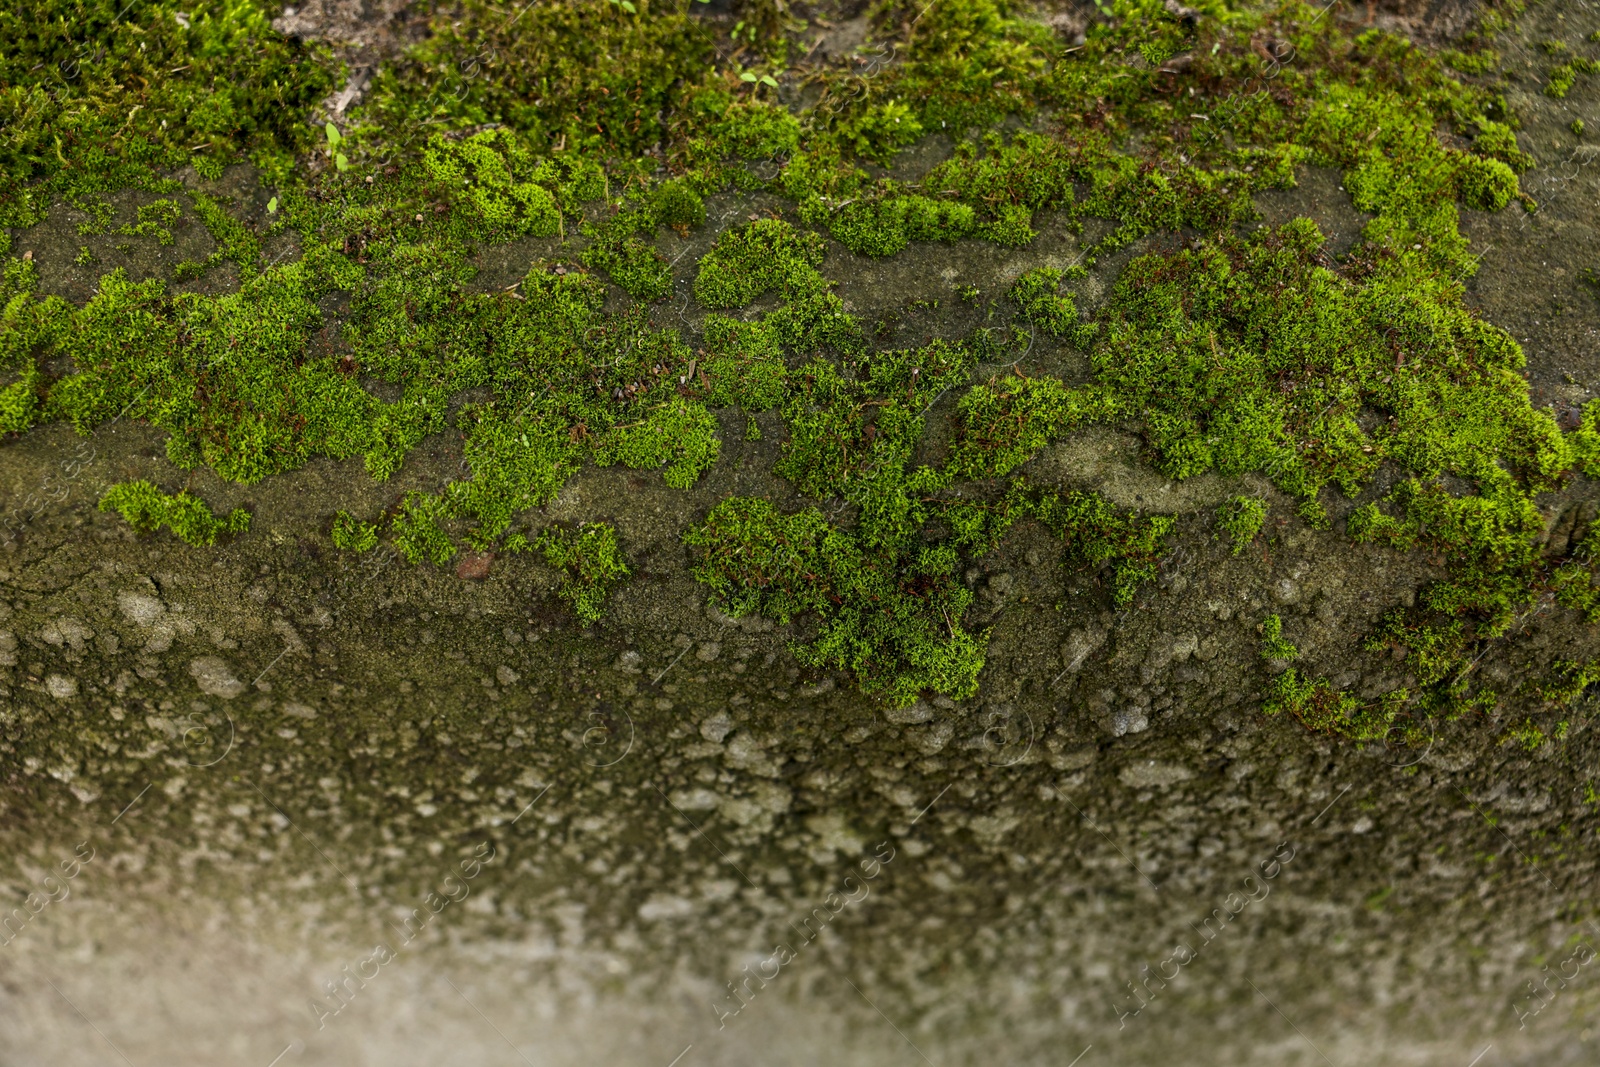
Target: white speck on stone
{"x":299,"y":711}
{"x":1362,"y":825}
{"x":214,"y":677}
{"x":61,"y":686}
{"x":506,"y":676}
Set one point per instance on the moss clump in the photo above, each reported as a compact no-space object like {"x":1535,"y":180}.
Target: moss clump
{"x":1034,"y":293}
{"x":94,"y":100}
{"x":1241,"y":519}
{"x":1497,"y":140}
{"x":1575,"y":580}
{"x":1249,"y":355}
{"x":1314,"y":702}
{"x":153,"y":220}
{"x":584,"y":76}
{"x":1486,"y":184}
{"x":885,"y":225}
{"x":228,"y":377}
{"x":1001,"y":423}
{"x":353,"y":535}
{"x":883,"y":596}
{"x":751,"y":260}
{"x":147,"y":508}
{"x":589,"y":560}
{"x":743,"y":365}
{"x":898,"y":628}
{"x":1565,"y":76}
{"x":1236,"y":354}
{"x":1567,"y":681}
{"x":19,"y":401}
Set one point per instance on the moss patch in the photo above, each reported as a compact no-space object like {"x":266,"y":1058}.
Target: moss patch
{"x":147,"y":508}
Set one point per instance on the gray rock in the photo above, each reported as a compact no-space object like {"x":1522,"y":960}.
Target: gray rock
{"x":1131,"y":720}
{"x":1079,"y":645}
{"x":1146,"y":773}
{"x":918,"y":712}
{"x":716,"y":727}
{"x":215,"y":677}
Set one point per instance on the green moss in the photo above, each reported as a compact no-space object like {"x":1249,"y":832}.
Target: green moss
{"x":1488,"y":538}
{"x":583,"y":76}
{"x":1526,"y":734}
{"x":1034,"y":293}
{"x":1097,"y":534}
{"x":497,"y":183}
{"x":883,"y":596}
{"x":898,"y":629}
{"x":1314,"y":702}
{"x":418,"y":532}
{"x":751,"y":260}
{"x":19,"y":401}
{"x":967,"y":62}
{"x":1274,"y":646}
{"x":879,"y":131}
{"x":1576,"y":583}
{"x":590,"y":562}
{"x":94,"y":101}
{"x":353,"y":535}
{"x":153,"y":220}
{"x":1486,"y":184}
{"x":884,"y":226}
{"x":235,"y":240}
{"x":1565,"y":76}
{"x":1000,"y":424}
{"x":1241,"y":519}
{"x":1498,"y":141}
{"x":147,"y":508}
{"x":743,"y":365}
{"x":1567,"y":681}
{"x":1236,"y":354}
{"x":633,"y":263}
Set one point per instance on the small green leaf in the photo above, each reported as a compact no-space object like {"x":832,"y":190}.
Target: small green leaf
{"x":627,"y":5}
{"x":333,"y":135}
{"x":272,"y":206}
{"x":747,"y":76}
{"x":340,"y":161}
{"x":767,"y":79}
